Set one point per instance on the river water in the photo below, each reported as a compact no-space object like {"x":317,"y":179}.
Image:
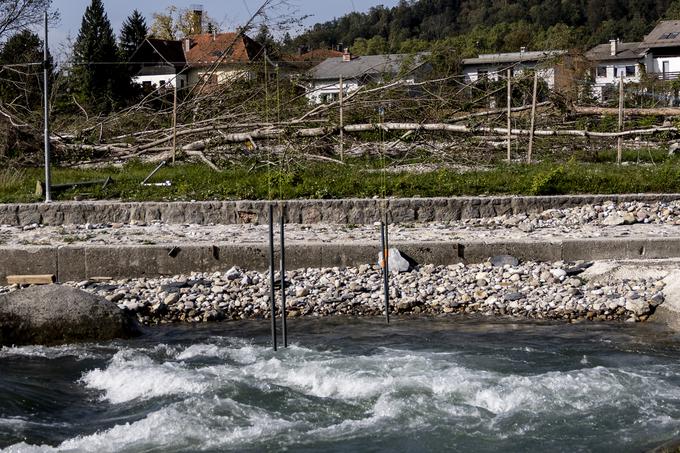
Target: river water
{"x":349,"y":385}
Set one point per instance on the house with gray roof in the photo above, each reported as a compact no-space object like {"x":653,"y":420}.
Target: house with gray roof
{"x":613,"y":61}
{"x":657,"y":56}
{"x":495,"y":66}
{"x":661,"y":48}
{"x":357,"y":71}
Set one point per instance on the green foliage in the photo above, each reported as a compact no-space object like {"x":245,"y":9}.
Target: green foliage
{"x":358,"y":178}
{"x":132,"y":34}
{"x":97,"y":80}
{"x":492,"y":25}
{"x":24,"y":84}
{"x":546,"y":183}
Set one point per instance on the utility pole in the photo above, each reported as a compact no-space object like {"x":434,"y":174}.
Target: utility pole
{"x":619,"y":146}
{"x":46,"y":102}
{"x":174,"y":123}
{"x":342,"y":121}
{"x":533,"y":117}
{"x":509,"y":75}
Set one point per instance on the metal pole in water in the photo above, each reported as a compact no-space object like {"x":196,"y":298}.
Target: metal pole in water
{"x":272,"y":293}
{"x":284,"y":329}
{"x":386,"y":269}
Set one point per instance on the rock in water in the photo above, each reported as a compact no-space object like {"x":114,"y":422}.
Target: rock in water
{"x":54,"y":314}
{"x":395,"y":260}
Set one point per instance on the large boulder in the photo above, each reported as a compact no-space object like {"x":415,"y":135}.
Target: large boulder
{"x":54,"y":314}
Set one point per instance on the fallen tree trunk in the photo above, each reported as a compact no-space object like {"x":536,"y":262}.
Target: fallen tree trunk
{"x":264,"y":134}
{"x":290,"y":133}
{"x":660,"y":111}
{"x":500,"y":111}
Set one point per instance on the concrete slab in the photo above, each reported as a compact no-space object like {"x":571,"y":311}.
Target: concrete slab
{"x":27,"y":260}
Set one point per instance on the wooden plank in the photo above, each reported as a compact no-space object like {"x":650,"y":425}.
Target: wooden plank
{"x":38,"y":279}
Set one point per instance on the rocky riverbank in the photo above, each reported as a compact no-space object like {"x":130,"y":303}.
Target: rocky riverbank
{"x":499,"y":287}
{"x":658,"y":219}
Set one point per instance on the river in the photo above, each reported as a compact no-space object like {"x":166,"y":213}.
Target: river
{"x":349,"y":385}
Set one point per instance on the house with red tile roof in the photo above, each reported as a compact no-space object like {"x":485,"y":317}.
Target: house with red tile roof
{"x":218,"y":58}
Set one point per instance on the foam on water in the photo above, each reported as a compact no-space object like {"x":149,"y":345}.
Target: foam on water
{"x":47,"y":352}
{"x":132,"y":375}
{"x":222,"y":396}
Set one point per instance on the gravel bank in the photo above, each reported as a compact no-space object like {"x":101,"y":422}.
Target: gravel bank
{"x":530,"y":290}
{"x":627,"y":219}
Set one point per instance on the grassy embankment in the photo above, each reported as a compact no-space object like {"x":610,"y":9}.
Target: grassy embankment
{"x":359,"y":178}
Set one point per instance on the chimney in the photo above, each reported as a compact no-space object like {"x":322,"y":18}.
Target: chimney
{"x":197,"y":19}
{"x":214,"y":35}
{"x":187,"y":45}
{"x":522,"y":49}
{"x":613,"y":47}
{"x":347,"y":56}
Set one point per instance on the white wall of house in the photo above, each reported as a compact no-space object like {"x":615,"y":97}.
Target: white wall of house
{"x":158,"y":80}
{"x":321,"y":91}
{"x":495,"y":73}
{"x":672,"y":65}
{"x":608,"y":73}
{"x":220,"y":75}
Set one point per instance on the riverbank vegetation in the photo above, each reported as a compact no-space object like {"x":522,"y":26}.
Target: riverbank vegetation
{"x":642,"y":172}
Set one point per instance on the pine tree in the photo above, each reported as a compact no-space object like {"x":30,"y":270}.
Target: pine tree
{"x":99,"y":82}
{"x":133,"y":33}
{"x":22,"y":87}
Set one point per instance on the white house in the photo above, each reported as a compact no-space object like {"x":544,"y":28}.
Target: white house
{"x":159,"y":63}
{"x":657,"y":56}
{"x":613,"y":61}
{"x":661,"y":49}
{"x":494,"y":66}
{"x":356,"y":71}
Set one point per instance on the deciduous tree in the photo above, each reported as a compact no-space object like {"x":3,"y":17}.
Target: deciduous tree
{"x":17,"y":15}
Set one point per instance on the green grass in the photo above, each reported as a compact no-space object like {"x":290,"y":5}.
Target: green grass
{"x":328,"y":180}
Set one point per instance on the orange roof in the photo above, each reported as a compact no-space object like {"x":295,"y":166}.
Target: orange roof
{"x":206,"y":49}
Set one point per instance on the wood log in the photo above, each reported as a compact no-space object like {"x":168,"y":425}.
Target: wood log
{"x":659,"y":111}
{"x":264,"y":134}
{"x":34,"y":279}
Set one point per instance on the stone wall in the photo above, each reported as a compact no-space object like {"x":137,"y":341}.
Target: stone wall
{"x":347,"y":211}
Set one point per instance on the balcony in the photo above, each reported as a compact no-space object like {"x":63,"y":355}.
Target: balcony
{"x":664,"y":75}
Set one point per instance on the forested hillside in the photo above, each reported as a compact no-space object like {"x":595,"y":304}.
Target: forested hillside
{"x":474,"y":26}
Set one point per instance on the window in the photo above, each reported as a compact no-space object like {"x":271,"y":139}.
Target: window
{"x":481,"y":74}
{"x":630,"y":71}
{"x":602,"y":71}
{"x":671,"y":35}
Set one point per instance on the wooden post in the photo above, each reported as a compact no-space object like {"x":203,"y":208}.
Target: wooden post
{"x":619,"y":146}
{"x":342,"y":121}
{"x":174,"y":123}
{"x":509,"y":113}
{"x":533,"y":117}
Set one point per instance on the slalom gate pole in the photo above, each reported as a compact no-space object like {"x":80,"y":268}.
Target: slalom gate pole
{"x":284,"y":328}
{"x":386,"y":268}
{"x":272,"y":293}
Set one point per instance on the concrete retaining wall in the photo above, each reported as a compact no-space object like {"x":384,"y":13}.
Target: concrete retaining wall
{"x":348,"y":211}
{"x":78,"y":262}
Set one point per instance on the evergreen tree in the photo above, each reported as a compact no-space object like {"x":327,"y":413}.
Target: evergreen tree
{"x":22,"y":86}
{"x":99,"y":82}
{"x":133,"y":33}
